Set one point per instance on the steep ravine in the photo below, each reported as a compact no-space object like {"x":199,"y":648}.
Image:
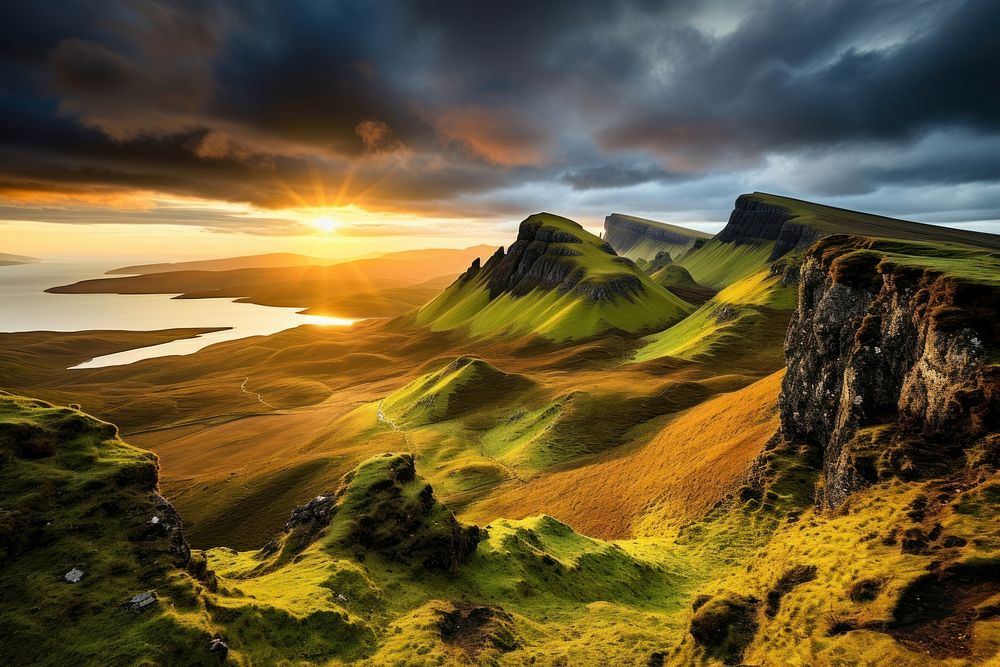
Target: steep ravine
{"x":891,"y":364}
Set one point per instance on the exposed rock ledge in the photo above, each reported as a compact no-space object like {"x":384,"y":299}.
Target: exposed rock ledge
{"x":542,"y":258}
{"x":889,"y":366}
{"x":753,"y":221}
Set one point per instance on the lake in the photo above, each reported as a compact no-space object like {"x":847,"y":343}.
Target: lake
{"x":25,"y":306}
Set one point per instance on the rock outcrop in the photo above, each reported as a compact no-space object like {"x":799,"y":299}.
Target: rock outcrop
{"x":541,"y":258}
{"x":754,"y":221}
{"x":890,"y":367}
{"x":628,"y":234}
{"x":384,"y":508}
{"x":557,"y":282}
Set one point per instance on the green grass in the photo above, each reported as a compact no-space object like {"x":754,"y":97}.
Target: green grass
{"x":73,"y":495}
{"x":723,"y":319}
{"x":568,"y":595}
{"x":718,"y":264}
{"x":674,"y":275}
{"x":552,"y":315}
{"x":464,"y":383}
{"x":362,"y":590}
{"x":967,"y":264}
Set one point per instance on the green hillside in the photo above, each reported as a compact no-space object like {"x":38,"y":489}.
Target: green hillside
{"x":82,"y":533}
{"x":462,"y":384}
{"x":377,"y":571}
{"x":728,"y":317}
{"x":717,"y":264}
{"x":557,"y":281}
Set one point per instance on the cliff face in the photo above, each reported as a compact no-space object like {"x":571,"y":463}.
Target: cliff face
{"x":627,"y":234}
{"x":889,"y":368}
{"x":754,"y":221}
{"x":542,"y":258}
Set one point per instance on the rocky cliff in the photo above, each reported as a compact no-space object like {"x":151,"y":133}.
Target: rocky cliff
{"x":556,"y":281}
{"x":641,"y":238}
{"x":755,"y":221}
{"x":543,"y":257}
{"x":891,"y":358}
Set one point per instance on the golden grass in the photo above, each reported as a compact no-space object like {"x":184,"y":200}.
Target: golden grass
{"x":696,"y":460}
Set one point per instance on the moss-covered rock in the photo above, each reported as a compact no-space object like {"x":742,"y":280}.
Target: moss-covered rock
{"x":383,"y":507}
{"x":725,"y":625}
{"x":83,"y":531}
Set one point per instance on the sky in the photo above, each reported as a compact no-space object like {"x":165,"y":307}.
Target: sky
{"x":139,"y":128}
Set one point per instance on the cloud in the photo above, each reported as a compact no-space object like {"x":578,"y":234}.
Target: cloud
{"x":455,"y":109}
{"x":503,"y":136}
{"x":377,"y":136}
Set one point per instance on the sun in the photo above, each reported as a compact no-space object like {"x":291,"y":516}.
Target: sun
{"x":324,"y":224}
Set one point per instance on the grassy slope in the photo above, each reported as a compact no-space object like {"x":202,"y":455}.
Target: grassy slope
{"x":465,"y":382}
{"x":73,"y":495}
{"x":673,"y":275}
{"x":724,"y":319}
{"x":832,"y":220}
{"x":827,"y":621}
{"x":562,"y":598}
{"x":686,"y":467}
{"x":549,"y":314}
{"x":718,"y":264}
{"x":647,"y":248}
{"x":966,"y":264}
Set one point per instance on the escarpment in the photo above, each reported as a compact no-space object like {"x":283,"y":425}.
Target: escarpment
{"x":640,"y":238}
{"x":755,"y":221}
{"x":891,"y":360}
{"x":540,"y":258}
{"x":556,"y":281}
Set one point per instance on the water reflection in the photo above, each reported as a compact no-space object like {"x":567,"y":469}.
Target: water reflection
{"x":24,"y":306}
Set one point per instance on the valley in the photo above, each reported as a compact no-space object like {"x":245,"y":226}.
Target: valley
{"x":652,"y":447}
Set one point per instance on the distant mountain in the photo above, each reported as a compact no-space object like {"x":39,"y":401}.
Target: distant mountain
{"x":639,"y":238}
{"x":556,"y":281}
{"x":228,"y":264}
{"x":281,"y":259}
{"x":764,"y":227}
{"x":382,"y":286}
{"x":753,"y":264}
{"x":794,"y":224}
{"x":10,"y":260}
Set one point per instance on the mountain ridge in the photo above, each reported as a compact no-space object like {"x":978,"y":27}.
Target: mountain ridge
{"x":564,"y":283}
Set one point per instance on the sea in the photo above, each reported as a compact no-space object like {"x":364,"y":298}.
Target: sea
{"x":25,"y":306}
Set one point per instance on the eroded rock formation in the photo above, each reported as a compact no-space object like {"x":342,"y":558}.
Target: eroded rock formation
{"x":889,"y":366}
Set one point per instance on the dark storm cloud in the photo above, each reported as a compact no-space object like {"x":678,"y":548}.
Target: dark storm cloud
{"x":616,"y":175}
{"x":459,"y":108}
{"x":808,"y":84}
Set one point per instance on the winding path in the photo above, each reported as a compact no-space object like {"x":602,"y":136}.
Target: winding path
{"x":243,"y":388}
{"x":391,"y":424}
